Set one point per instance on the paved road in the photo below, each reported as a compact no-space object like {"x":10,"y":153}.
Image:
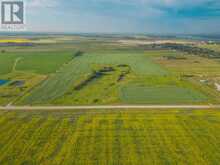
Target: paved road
{"x":110,"y":107}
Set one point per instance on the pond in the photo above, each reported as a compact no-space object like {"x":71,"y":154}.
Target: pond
{"x":2,"y":82}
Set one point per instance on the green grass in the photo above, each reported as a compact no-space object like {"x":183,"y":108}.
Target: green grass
{"x":140,"y":63}
{"x":215,"y":47}
{"x":195,"y":69}
{"x":147,"y":83}
{"x":192,"y":65}
{"x":55,"y":61}
{"x":6,"y":63}
{"x":58,"y":84}
{"x":110,"y":137}
{"x":102,"y":90}
{"x":10,"y":93}
{"x":134,"y":94}
{"x":29,"y":67}
{"x":35,"y":62}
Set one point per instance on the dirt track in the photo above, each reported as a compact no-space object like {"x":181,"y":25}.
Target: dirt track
{"x":110,"y":107}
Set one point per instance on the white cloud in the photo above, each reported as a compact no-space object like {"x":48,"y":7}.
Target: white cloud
{"x":42,"y":3}
{"x":167,"y":3}
{"x":119,"y":15}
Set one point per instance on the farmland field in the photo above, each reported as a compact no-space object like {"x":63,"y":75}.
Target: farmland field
{"x":193,"y":65}
{"x":84,"y":70}
{"x":215,"y":47}
{"x":89,"y":70}
{"x":109,"y":82}
{"x":36,"y":62}
{"x":54,"y":87}
{"x":159,"y":95}
{"x":110,"y":137}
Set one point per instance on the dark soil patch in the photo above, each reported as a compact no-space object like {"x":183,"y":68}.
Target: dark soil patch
{"x":94,"y":76}
{"x":17,"y":83}
{"x":78,"y":54}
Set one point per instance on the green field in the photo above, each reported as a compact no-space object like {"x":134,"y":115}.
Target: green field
{"x":215,"y":47}
{"x":10,"y":92}
{"x":29,"y":67}
{"x":160,"y":95}
{"x":76,"y":70}
{"x":110,"y":137}
{"x":63,"y":80}
{"x":140,"y":74}
{"x":57,"y":84}
{"x":192,"y":65}
{"x":35,"y":62}
{"x":140,"y":63}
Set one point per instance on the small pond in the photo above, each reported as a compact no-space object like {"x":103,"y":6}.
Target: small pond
{"x":2,"y":82}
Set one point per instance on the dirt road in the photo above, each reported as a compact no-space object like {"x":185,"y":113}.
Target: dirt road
{"x":147,"y":107}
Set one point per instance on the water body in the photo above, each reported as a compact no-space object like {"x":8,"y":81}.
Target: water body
{"x":2,"y":82}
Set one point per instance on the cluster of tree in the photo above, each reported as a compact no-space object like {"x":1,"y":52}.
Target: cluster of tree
{"x":204,"y":52}
{"x":106,"y":69}
{"x":123,"y":73}
{"x":95,"y":75}
{"x":16,"y":44}
{"x":175,"y":58}
{"x":78,"y":54}
{"x":151,"y":47}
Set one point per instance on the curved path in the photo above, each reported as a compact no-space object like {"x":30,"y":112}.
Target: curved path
{"x":15,"y":64}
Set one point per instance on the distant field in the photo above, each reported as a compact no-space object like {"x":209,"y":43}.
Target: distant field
{"x":99,"y":70}
{"x":14,"y":40}
{"x":35,"y":62}
{"x":202,"y":73}
{"x":215,"y":47}
{"x":64,"y":80}
{"x":145,"y":82}
{"x":192,"y":65}
{"x":142,"y":74}
{"x":110,"y":137}
{"x":6,"y":63}
{"x":140,"y":63}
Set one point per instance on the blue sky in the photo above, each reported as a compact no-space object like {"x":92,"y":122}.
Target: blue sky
{"x":126,"y":16}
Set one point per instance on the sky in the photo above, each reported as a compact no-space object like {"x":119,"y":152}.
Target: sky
{"x":124,"y":16}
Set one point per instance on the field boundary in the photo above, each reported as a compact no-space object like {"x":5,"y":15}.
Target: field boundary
{"x":93,"y":107}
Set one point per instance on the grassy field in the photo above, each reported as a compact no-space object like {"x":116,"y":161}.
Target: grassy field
{"x":110,"y":137}
{"x":80,"y":70}
{"x":134,"y":94}
{"x":71,"y":73}
{"x":215,"y":47}
{"x":57,"y":84}
{"x":202,"y":73}
{"x":28,"y":67}
{"x":140,"y":63}
{"x":148,"y":74}
{"x":10,"y":92}
{"x":14,"y":40}
{"x":34,"y":62}
{"x":58,"y":88}
{"x":192,"y":65}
